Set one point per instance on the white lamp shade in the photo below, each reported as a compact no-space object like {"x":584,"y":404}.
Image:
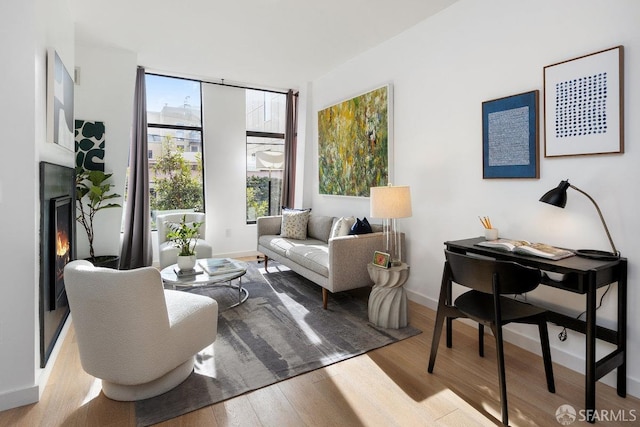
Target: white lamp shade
{"x":390,"y":202}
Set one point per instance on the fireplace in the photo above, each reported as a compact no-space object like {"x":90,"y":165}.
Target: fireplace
{"x":57,"y":248}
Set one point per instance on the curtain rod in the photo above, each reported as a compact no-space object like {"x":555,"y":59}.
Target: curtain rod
{"x":221,"y":83}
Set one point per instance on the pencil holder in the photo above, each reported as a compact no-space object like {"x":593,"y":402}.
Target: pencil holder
{"x":491,"y":233}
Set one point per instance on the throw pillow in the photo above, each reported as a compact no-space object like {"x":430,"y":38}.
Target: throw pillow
{"x":342,"y":226}
{"x":294,"y":224}
{"x":361,"y":227}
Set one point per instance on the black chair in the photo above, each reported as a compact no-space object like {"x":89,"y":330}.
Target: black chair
{"x":490,"y":279}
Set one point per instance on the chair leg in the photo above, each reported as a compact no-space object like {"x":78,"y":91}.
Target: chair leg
{"x":440,"y":316}
{"x":546,"y":354}
{"x":435,"y":341}
{"x":481,"y":339}
{"x":497,"y":332}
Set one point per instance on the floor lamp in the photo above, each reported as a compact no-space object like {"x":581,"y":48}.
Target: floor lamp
{"x":390,"y":203}
{"x":558,"y":197}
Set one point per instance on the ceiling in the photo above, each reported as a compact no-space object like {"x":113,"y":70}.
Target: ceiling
{"x":266,"y":43}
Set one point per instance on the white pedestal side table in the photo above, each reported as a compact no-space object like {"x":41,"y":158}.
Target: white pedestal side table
{"x":388,"y":299}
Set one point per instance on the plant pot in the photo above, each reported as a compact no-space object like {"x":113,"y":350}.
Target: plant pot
{"x":186,"y":262}
{"x":108,"y":261}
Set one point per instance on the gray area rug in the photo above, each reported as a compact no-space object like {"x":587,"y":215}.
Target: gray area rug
{"x":281,"y":331}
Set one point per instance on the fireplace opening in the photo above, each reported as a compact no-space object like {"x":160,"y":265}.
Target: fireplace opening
{"x":57,"y":248}
{"x":60,"y":247}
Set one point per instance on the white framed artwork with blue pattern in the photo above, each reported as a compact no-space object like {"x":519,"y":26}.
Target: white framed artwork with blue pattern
{"x":584,"y":105}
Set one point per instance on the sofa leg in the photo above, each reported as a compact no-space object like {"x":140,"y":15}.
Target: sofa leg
{"x":266,"y":259}
{"x":325,"y":298}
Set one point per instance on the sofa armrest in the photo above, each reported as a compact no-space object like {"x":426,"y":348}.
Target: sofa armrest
{"x":348,"y":259}
{"x":269,"y":225}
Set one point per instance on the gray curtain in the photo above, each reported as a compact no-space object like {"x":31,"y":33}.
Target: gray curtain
{"x":136,"y":243}
{"x":290,"y":150}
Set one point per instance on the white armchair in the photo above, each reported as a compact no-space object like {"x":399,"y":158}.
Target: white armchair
{"x":134,"y":335}
{"x":167,"y":251}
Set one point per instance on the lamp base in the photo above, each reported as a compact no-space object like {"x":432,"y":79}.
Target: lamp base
{"x":596,"y":254}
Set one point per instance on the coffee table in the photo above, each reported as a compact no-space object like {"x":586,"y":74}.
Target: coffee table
{"x":169,"y":277}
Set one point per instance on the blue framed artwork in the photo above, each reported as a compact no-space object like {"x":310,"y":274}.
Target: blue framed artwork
{"x":510,"y":137}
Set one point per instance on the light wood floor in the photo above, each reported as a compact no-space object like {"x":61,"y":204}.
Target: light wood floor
{"x":386,"y":387}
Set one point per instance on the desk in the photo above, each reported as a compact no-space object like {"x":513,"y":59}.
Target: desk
{"x":582,"y":276}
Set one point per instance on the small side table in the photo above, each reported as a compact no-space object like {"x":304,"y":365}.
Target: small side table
{"x":388,"y":299}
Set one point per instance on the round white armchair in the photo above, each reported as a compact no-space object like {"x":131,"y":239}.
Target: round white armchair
{"x":134,"y":335}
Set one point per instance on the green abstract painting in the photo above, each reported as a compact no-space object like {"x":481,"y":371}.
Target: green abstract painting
{"x":353,"y":144}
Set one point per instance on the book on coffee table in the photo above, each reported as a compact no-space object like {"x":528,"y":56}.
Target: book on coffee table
{"x":187,"y":273}
{"x":215,"y":266}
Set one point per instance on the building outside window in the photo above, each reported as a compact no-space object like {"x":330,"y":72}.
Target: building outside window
{"x":266,"y":122}
{"x":174,"y":120}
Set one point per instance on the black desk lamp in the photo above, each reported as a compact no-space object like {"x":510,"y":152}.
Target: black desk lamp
{"x":558,"y":197}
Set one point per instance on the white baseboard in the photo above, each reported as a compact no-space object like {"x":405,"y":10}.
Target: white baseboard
{"x":33,"y":393}
{"x":558,"y":355}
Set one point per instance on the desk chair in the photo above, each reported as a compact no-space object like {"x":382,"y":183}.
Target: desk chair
{"x":489,"y":280}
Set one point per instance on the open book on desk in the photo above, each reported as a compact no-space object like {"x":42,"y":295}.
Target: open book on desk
{"x":523,"y":247}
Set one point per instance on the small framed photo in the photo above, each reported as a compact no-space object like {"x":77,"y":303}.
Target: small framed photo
{"x":381,"y":259}
{"x":584,"y":105}
{"x":510,"y":137}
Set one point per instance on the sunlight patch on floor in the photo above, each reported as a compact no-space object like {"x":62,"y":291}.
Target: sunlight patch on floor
{"x":94,"y":391}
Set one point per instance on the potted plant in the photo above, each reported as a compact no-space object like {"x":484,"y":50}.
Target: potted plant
{"x":184,"y":236}
{"x":93,"y":194}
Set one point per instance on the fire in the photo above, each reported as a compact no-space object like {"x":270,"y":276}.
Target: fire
{"x":62,"y":244}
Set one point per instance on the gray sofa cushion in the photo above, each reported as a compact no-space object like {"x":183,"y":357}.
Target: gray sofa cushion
{"x":319,"y":227}
{"x":313,"y":257}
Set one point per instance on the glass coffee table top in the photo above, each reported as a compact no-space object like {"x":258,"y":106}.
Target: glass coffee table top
{"x":171,"y":278}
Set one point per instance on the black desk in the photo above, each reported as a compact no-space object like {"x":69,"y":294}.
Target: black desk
{"x":582,"y":276}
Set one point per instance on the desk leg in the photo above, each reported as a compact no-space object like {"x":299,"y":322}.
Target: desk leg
{"x":622,"y":330}
{"x":449,"y":320}
{"x":590,"y":369}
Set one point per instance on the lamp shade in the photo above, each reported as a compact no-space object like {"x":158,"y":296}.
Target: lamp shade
{"x":557,"y":196}
{"x":390,"y":202}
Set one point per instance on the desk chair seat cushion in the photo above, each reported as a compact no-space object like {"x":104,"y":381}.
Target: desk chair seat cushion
{"x":479,"y":307}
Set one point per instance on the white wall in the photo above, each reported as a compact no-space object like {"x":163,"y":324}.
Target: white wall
{"x":225,"y":154}
{"x":105,"y":93}
{"x":27,"y":29}
{"x":442,"y":70}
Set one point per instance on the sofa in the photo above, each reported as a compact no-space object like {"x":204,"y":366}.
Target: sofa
{"x":322,"y":250}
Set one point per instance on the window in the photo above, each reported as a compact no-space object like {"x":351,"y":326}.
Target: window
{"x":266,"y":121}
{"x":174,"y":120}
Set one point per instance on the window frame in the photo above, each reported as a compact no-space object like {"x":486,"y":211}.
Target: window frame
{"x":185,"y":129}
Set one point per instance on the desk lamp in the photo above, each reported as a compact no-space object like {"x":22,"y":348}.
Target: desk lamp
{"x":558,"y":197}
{"x":389,"y":203}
